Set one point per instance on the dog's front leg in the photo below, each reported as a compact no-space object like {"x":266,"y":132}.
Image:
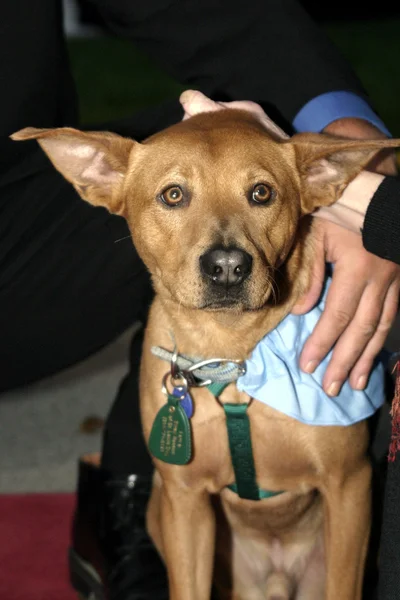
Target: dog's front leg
{"x":188,"y":532}
{"x":347,"y":527}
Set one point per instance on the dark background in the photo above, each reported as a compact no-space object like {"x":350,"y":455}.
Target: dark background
{"x":124,"y":80}
{"x":320,"y":10}
{"x":343,"y":10}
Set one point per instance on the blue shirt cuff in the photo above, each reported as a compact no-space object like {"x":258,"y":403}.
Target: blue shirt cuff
{"x":326,"y":108}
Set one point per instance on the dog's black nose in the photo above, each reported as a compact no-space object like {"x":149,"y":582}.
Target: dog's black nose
{"x":226,"y":266}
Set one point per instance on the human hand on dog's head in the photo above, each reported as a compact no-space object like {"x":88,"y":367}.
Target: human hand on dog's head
{"x":194,"y":102}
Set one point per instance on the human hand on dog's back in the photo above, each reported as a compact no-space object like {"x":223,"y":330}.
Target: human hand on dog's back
{"x":360,"y":308}
{"x":363,"y":297}
{"x":362,"y":301}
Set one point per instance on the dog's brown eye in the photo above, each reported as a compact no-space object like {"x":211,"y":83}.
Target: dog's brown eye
{"x":262,"y":193}
{"x":172,"y":196}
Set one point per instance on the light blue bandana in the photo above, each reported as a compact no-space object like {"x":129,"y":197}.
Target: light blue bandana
{"x":274,"y":377}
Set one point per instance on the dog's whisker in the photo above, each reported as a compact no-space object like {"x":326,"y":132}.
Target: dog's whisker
{"x":275,"y":291}
{"x":273,"y":287}
{"x":123,"y":238}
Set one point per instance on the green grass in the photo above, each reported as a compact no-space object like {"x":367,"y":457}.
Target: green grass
{"x":114,"y":79}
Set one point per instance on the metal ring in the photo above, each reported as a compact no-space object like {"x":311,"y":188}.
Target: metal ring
{"x":174,"y":363}
{"x":164,"y":387}
{"x":239,"y":403}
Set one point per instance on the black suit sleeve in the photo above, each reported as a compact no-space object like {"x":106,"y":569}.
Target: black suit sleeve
{"x":381,"y":231}
{"x":269,"y":51}
{"x":35,"y":80}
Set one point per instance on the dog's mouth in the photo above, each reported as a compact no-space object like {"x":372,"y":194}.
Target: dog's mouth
{"x":223,"y":304}
{"x":236,"y":299}
{"x":254,"y":294}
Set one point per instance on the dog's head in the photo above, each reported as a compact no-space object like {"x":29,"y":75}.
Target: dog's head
{"x":214,"y":202}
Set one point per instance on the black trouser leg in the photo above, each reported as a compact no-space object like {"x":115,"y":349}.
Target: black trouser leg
{"x":124,"y":449}
{"x":389,"y":558}
{"x":67,"y":287}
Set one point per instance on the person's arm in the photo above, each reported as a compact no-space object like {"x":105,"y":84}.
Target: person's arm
{"x":349,"y":211}
{"x":269,"y":51}
{"x":370,"y":205}
{"x":363,"y":299}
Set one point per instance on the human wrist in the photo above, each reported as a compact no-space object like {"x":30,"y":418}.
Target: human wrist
{"x":358,"y":194}
{"x":349,"y":211}
{"x":332,"y":106}
{"x":353,"y":127}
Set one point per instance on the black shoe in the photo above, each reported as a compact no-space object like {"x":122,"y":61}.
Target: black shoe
{"x":112,"y":557}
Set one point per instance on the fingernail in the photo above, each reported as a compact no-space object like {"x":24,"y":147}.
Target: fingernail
{"x":361,"y":382}
{"x":333,"y":389}
{"x":311,"y":366}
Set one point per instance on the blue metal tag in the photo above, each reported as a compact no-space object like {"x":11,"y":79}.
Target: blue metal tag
{"x":185,"y":399}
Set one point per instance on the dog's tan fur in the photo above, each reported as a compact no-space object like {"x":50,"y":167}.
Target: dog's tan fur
{"x":310,"y":542}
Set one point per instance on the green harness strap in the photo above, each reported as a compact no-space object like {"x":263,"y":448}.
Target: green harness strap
{"x":238,"y":424}
{"x":239,"y":436}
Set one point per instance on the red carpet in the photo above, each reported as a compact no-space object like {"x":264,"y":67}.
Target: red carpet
{"x":34,"y":538}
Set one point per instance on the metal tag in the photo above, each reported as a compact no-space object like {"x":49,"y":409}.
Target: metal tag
{"x":170,"y":438}
{"x":185,"y":399}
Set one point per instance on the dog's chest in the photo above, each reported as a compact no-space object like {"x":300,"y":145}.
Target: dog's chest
{"x":276,"y":535}
{"x":273,"y":438}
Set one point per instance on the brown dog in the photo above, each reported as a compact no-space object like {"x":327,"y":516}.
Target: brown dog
{"x":218,"y":207}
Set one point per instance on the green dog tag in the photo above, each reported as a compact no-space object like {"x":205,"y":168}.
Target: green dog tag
{"x":170,"y":437}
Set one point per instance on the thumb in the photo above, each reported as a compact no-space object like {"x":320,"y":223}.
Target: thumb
{"x":310,"y":298}
{"x":194,"y":102}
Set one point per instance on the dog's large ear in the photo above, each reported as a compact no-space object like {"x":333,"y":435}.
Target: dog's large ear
{"x":327,"y":164}
{"x":95,"y":163}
